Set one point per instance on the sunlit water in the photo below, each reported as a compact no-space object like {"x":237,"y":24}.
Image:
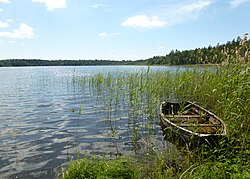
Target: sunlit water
{"x":40,"y":125}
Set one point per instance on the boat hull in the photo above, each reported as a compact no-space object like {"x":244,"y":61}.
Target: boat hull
{"x":182,"y":136}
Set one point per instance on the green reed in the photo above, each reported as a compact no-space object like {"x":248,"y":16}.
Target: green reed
{"x":224,"y":90}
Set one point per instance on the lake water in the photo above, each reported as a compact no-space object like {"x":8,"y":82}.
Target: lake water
{"x":40,"y":125}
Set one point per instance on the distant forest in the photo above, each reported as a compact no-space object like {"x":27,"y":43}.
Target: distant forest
{"x":235,"y":49}
{"x":38,"y":62}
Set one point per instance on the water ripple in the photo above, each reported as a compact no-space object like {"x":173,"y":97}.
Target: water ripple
{"x":41,"y":127}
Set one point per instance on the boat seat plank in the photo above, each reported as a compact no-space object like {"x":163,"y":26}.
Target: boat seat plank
{"x":190,"y":120}
{"x":198,"y":125}
{"x":184,"y":116}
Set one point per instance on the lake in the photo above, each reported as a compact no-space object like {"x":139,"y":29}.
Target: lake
{"x":47,"y":118}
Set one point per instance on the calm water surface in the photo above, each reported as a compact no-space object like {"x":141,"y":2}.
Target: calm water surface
{"x":40,"y":125}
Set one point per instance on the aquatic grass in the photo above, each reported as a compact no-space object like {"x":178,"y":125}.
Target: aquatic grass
{"x":160,"y":166}
{"x":104,"y":168}
{"x":223,"y":90}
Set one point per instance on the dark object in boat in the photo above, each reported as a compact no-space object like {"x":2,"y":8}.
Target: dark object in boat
{"x":187,"y":123}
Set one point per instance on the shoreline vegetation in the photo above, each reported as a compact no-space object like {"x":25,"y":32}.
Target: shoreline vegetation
{"x":207,"y":55}
{"x":223,"y":91}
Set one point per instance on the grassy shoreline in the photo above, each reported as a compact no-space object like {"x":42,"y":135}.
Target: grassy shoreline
{"x":224,"y":91}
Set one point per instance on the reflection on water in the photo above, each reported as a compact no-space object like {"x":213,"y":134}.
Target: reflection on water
{"x":40,"y":125}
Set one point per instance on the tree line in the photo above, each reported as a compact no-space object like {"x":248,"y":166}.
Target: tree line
{"x":225,"y":53}
{"x":38,"y":62}
{"x":238,"y":49}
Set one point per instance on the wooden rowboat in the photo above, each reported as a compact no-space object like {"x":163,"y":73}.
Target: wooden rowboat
{"x":188,"y":123}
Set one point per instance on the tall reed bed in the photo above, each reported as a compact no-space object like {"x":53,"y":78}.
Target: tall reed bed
{"x":224,"y":90}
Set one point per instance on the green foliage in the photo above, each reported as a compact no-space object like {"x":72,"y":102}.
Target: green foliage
{"x":37,"y":62}
{"x":102,"y":169}
{"x":156,"y":166}
{"x":214,"y":55}
{"x":218,"y":170}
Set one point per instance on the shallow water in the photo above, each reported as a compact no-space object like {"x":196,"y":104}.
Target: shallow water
{"x":40,"y":125}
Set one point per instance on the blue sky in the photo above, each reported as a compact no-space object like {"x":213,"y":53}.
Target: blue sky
{"x":116,"y":29}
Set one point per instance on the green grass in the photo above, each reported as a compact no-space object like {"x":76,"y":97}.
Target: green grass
{"x":104,"y":168}
{"x":127,"y":167}
{"x":224,"y":90}
{"x":215,"y":170}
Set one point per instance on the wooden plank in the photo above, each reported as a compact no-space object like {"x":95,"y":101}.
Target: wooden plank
{"x":198,"y":125}
{"x":184,"y":116}
{"x":190,"y":120}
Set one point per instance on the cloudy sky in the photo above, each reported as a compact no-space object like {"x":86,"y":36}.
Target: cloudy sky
{"x":116,"y":29}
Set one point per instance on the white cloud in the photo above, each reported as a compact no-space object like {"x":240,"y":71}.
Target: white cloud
{"x":116,"y":33}
{"x":191,"y":11}
{"x":1,"y":10}
{"x":10,"y":20}
{"x":185,"y":12}
{"x":101,"y":6}
{"x":4,"y":1}
{"x":236,"y":3}
{"x":3,"y":24}
{"x":170,"y":14}
{"x":52,"y":4}
{"x":102,"y":34}
{"x":161,"y":47}
{"x":24,"y":31}
{"x":143,"y":21}
{"x":97,"y":5}
{"x":196,"y":6}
